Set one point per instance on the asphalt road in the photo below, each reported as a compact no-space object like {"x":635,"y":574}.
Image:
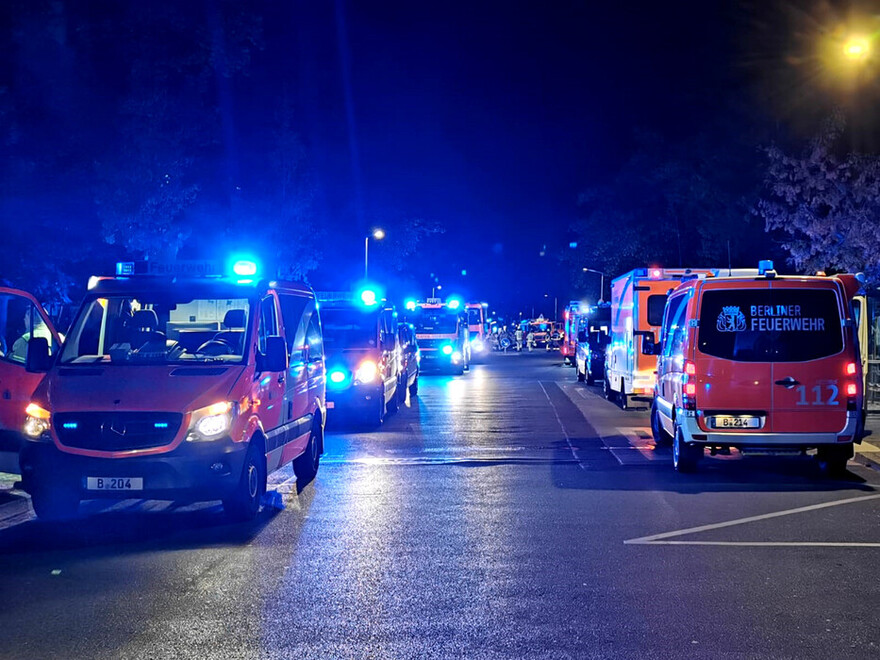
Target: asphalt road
{"x":509,"y":512}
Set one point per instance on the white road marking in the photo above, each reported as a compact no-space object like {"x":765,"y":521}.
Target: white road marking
{"x":659,"y":539}
{"x":767,"y":544}
{"x":559,"y":421}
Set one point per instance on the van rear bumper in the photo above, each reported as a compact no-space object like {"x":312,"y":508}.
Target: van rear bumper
{"x":694,"y":434}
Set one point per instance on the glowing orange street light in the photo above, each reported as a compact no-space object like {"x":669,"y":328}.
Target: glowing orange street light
{"x":856,"y":49}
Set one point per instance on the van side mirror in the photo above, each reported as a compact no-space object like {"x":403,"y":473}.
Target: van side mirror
{"x":648,"y":345}
{"x":388,"y":339}
{"x":582,"y":337}
{"x":38,"y":359}
{"x":275,"y":357}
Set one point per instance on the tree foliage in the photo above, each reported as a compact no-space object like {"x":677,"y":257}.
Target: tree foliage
{"x":671,"y":204}
{"x":825,"y":205}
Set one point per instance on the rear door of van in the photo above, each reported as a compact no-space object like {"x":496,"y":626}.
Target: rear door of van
{"x":734,"y":374}
{"x":810,"y":355}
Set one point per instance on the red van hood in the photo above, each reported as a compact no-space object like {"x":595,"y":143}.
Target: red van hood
{"x":140,"y":388}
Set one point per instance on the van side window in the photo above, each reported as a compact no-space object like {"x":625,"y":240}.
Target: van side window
{"x":292,"y":309}
{"x":268,"y":321}
{"x":656,"y":305}
{"x":675,"y":327}
{"x":314,"y":338}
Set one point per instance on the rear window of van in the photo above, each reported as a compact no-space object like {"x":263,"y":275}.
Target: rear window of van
{"x":770,"y":325}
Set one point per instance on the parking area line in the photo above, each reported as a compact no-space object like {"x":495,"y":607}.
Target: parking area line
{"x":661,"y":539}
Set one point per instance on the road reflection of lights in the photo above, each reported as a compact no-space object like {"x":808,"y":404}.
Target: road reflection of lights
{"x":456,"y":390}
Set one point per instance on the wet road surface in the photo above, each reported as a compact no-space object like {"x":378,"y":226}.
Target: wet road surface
{"x":509,"y":512}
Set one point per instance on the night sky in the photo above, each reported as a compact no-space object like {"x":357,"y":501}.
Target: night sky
{"x":492,"y":119}
{"x":485,"y":119}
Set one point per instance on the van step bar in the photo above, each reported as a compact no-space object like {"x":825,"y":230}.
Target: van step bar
{"x":772,"y":451}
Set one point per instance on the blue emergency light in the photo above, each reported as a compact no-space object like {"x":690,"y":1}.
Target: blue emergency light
{"x":453,"y":303}
{"x":244,"y":268}
{"x":410,"y":304}
{"x":368,"y":297}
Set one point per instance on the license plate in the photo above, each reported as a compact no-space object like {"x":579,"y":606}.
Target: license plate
{"x":734,"y":422}
{"x":331,"y":405}
{"x":114,"y":483}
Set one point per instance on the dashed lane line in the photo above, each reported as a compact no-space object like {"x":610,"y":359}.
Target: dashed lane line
{"x":562,"y":426}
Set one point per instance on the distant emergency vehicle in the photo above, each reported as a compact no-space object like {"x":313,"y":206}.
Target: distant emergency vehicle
{"x":176,"y":386}
{"x":638,"y":299}
{"x":442,"y":332}
{"x":572,"y":317}
{"x":476,"y":318}
{"x":362,"y":354}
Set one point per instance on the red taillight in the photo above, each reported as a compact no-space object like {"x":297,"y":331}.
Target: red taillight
{"x":689,"y":401}
{"x":656,"y":274}
{"x":851,"y":369}
{"x":852,"y":389}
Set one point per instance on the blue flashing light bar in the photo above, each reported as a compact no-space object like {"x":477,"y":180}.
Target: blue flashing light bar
{"x":453,"y":303}
{"x":244,"y":268}
{"x":368,"y":297}
{"x":160,"y":425}
{"x":70,"y":425}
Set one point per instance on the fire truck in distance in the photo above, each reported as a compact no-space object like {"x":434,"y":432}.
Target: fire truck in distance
{"x":442,"y":333}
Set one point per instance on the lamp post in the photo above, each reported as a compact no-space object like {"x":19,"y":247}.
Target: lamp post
{"x":378,"y":234}
{"x":601,"y":284}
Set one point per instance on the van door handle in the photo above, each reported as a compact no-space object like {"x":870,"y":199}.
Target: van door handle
{"x":281,"y":378}
{"x":788,"y":382}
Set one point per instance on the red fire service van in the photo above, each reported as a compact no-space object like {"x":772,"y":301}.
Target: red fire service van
{"x":21,"y":318}
{"x":176,"y":387}
{"x":763,"y":364}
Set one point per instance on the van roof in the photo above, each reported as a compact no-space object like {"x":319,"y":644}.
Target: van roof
{"x":219,"y":287}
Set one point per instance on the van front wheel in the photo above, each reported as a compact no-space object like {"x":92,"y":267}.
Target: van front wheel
{"x":53,"y":504}
{"x":244,"y":503}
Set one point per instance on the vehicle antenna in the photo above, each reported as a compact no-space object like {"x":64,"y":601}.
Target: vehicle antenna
{"x":729,"y":265}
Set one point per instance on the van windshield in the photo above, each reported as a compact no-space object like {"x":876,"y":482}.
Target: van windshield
{"x":770,"y":325}
{"x":348,"y":328}
{"x":158,"y":329}
{"x":438,"y":323}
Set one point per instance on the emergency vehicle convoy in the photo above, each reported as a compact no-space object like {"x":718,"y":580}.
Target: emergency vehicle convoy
{"x":170,"y":386}
{"x":442,"y":332}
{"x":476,"y":318}
{"x":761,"y":363}
{"x":365,"y":378}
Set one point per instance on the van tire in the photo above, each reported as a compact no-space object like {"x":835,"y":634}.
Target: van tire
{"x":684,"y":457}
{"x":833,"y":460}
{"x":606,"y":389}
{"x":54,"y":504}
{"x":580,"y":375}
{"x":245,"y":502}
{"x":305,"y":466}
{"x":622,"y":398}
{"x":414,"y":388}
{"x":661,"y":437}
{"x":394,"y":402}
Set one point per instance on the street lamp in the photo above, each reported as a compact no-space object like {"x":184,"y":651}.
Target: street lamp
{"x":856,"y":49}
{"x":377,"y":234}
{"x":601,"y":284}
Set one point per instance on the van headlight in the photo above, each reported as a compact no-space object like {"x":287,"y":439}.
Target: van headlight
{"x":37,"y":421}
{"x":211,"y":422}
{"x":366,"y":372}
